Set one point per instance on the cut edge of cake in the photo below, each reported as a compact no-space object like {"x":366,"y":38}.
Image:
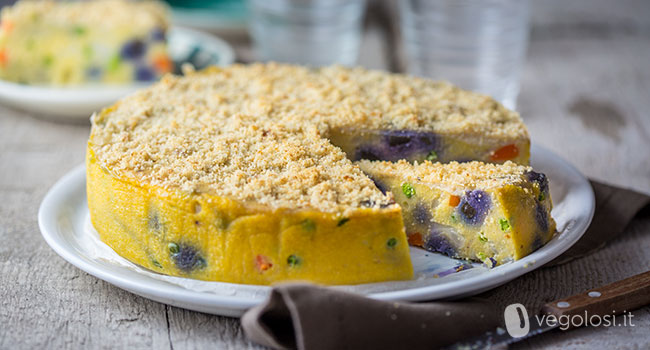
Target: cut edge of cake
{"x":483,"y":212}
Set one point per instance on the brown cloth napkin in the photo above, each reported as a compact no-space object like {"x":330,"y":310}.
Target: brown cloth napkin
{"x":615,"y":208}
{"x":309,"y":317}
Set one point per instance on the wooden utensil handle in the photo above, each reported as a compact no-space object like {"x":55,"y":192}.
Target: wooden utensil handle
{"x":615,"y":298}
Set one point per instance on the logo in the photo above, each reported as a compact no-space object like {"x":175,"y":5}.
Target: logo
{"x":517,"y":323}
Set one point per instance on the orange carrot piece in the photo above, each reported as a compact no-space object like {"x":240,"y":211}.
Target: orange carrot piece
{"x":454,"y":200}
{"x":163,"y":64}
{"x":3,"y":57}
{"x":504,"y":153}
{"x":415,"y":239}
{"x":6,"y":26}
{"x":262,"y":263}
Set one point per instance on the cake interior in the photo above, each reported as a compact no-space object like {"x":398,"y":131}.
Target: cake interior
{"x":477,"y":211}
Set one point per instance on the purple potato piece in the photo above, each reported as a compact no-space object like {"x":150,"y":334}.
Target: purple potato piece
{"x":408,"y":142}
{"x":436,"y":242}
{"x":369,"y":153}
{"x":541,"y":217}
{"x":133,"y":49}
{"x":537,"y":243}
{"x":399,"y":144}
{"x":157,"y":34}
{"x":539,"y":178}
{"x":474,"y":206}
{"x":143,"y":73}
{"x":188,"y":258}
{"x":421,"y":214}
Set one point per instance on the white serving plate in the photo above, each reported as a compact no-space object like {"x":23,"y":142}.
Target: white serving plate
{"x":64,"y":222}
{"x":79,"y":102}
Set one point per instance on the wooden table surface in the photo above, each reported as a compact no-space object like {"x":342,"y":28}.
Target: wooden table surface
{"x":585,"y":94}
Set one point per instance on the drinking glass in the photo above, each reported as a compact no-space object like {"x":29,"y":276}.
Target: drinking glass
{"x":311,"y":32}
{"x":478,"y":45}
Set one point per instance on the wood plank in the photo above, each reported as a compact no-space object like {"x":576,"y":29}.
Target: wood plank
{"x":584,"y":95}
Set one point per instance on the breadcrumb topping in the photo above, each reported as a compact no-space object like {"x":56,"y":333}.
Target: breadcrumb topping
{"x":452,"y":177}
{"x":241,"y":158}
{"x":338,"y":97}
{"x":258,"y":132}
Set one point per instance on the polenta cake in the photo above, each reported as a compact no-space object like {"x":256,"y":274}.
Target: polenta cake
{"x":492,"y":213}
{"x":246,"y":174}
{"x":237,"y":200}
{"x":75,"y":42}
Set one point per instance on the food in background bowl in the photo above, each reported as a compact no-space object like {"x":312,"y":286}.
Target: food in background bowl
{"x":68,"y":43}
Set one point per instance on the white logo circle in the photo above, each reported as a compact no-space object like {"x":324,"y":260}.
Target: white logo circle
{"x":517,"y":323}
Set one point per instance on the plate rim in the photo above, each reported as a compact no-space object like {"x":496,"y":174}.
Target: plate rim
{"x":235,"y":305}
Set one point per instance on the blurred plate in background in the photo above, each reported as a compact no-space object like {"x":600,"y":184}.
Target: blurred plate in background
{"x":79,"y":102}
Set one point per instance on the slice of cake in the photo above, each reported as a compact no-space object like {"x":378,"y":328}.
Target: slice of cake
{"x":477,"y":211}
{"x":63,"y":43}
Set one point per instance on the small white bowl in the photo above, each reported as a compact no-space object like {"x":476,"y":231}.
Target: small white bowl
{"x":79,"y":102}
